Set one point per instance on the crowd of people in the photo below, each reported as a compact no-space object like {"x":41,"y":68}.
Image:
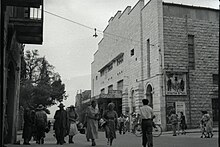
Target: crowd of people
{"x":67,"y":123}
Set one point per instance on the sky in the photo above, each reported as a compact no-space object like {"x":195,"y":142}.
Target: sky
{"x":70,"y":46}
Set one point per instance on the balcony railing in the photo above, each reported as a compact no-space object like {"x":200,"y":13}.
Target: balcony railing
{"x":28,"y":22}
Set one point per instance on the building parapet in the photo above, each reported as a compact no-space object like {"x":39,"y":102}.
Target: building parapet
{"x":112,"y":61}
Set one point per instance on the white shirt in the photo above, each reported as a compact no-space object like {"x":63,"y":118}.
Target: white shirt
{"x":146,"y":112}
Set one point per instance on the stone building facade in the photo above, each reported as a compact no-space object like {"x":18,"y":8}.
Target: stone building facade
{"x":18,"y":27}
{"x":167,"y":53}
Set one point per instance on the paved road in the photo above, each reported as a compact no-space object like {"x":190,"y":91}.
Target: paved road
{"x":130,"y":140}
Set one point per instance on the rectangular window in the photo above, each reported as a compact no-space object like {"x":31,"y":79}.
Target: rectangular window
{"x":103,"y":91}
{"x":110,"y":67}
{"x":119,"y":60}
{"x":120,"y":85}
{"x":191,"y":52}
{"x":132,"y":52}
{"x":215,"y":78}
{"x":148,"y":58}
{"x":101,"y":73}
{"x":110,"y":88}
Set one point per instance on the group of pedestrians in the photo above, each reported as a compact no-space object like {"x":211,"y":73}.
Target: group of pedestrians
{"x":65,"y":124}
{"x":178,"y":123}
{"x":110,"y":121}
{"x":35,"y":124}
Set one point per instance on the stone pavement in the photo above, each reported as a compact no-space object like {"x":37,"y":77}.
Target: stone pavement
{"x":191,"y":139}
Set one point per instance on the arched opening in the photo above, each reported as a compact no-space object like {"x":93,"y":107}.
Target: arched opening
{"x":149,"y":95}
{"x":10,"y":101}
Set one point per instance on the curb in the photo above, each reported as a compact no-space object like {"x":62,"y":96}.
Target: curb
{"x":192,"y":131}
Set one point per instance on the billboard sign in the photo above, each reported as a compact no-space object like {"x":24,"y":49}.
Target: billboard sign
{"x":175,"y":83}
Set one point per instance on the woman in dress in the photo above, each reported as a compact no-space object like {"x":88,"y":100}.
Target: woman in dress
{"x":182,"y":123}
{"x":174,"y":121}
{"x":110,"y":116}
{"x":92,"y":122}
{"x":206,"y":125}
{"x":72,"y":127}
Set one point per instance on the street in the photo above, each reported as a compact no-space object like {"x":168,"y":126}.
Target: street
{"x":130,"y":140}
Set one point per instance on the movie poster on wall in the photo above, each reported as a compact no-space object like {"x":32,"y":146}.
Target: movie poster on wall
{"x":175,"y":83}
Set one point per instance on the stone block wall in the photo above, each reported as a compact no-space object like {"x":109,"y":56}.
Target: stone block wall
{"x":203,"y":23}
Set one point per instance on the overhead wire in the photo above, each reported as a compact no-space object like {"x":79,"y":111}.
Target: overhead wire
{"x":88,"y":27}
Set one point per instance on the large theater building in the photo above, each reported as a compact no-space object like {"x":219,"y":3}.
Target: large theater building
{"x":164,"y":52}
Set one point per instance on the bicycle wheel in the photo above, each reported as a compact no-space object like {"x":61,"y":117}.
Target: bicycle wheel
{"x":138,"y":130}
{"x":157,"y":131}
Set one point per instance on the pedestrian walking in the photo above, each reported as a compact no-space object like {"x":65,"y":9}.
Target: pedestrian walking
{"x":182,"y":123}
{"x":111,"y":117}
{"x":49,"y":124}
{"x":28,"y":126}
{"x":147,"y":116}
{"x":174,"y":121}
{"x":92,"y":122}
{"x":127,"y":122}
{"x":60,"y":124}
{"x":72,"y":126}
{"x":206,"y":125}
{"x":133,"y":121}
{"x":41,"y":124}
{"x":178,"y":124}
{"x":121,"y":122}
{"x":85,"y":123}
{"x":33,"y":117}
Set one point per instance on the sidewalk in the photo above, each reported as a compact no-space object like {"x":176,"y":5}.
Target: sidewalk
{"x":197,"y":130}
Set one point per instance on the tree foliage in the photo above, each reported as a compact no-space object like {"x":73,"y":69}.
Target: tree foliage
{"x":39,"y":83}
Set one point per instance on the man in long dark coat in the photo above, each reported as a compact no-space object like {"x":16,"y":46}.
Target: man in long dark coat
{"x":28,"y":126}
{"x":60,"y":124}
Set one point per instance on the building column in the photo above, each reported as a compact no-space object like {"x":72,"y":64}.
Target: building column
{"x":139,"y":96}
{"x":125,"y":103}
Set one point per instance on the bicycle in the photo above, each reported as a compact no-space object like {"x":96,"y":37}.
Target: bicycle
{"x":157,"y":130}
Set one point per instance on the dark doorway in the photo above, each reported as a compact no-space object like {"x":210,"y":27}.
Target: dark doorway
{"x":10,"y":101}
{"x":215,"y":110}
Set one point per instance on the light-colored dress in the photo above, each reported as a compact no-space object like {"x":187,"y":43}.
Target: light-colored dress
{"x":208,"y":123}
{"x":72,"y":116}
{"x":92,"y":124}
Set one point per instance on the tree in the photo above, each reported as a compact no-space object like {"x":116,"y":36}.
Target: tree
{"x":39,"y":83}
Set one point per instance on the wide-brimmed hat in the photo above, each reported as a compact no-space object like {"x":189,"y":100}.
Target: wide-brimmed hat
{"x":40,"y":107}
{"x":61,"y":105}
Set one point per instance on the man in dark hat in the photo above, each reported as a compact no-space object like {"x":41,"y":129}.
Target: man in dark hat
{"x":60,"y":124}
{"x":41,"y":123}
